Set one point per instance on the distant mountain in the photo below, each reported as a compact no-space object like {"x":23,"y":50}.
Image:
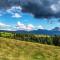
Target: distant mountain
{"x":56,"y":29}
{"x":48,"y":32}
{"x":39,"y":31}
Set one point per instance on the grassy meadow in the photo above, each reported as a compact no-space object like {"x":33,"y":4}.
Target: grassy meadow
{"x":11,"y":49}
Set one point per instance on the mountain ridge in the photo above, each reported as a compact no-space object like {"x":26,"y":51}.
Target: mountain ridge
{"x":39,"y":31}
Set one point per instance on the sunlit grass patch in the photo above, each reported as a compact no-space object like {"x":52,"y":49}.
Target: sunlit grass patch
{"x":11,"y":49}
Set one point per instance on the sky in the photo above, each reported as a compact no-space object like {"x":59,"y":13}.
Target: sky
{"x":19,"y":17}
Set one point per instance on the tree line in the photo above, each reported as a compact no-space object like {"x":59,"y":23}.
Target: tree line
{"x":43,"y":39}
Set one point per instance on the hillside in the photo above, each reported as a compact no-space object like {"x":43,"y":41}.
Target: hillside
{"x":11,"y":49}
{"x":39,"y":31}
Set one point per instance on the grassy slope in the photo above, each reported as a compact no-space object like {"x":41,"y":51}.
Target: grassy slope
{"x":19,"y":50}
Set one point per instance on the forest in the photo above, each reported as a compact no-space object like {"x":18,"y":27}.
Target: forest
{"x":43,"y":39}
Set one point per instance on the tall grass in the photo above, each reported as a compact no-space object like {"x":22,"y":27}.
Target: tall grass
{"x":11,"y":49}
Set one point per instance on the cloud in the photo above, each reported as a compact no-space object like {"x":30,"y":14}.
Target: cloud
{"x":39,"y":9}
{"x":8,"y":3}
{"x":40,"y":27}
{"x":56,"y":29}
{"x":15,"y":11}
{"x":29,"y":27}
{"x":16,"y":15}
{"x":42,"y":8}
{"x":4,"y":26}
{"x":21,"y":26}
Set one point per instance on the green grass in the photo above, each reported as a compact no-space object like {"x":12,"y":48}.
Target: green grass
{"x":11,"y":49}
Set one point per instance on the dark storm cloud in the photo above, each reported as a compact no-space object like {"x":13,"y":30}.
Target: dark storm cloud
{"x":39,"y":8}
{"x":8,"y":3}
{"x":42,"y":8}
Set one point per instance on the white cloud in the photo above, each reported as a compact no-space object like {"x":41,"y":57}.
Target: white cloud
{"x":16,"y":7}
{"x":14,"y":11}
{"x":53,"y":7}
{"x":16,"y":15}
{"x":21,"y":26}
{"x":3,"y":25}
{"x":28,"y":27}
{"x":9,"y":11}
{"x":40,"y":27}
